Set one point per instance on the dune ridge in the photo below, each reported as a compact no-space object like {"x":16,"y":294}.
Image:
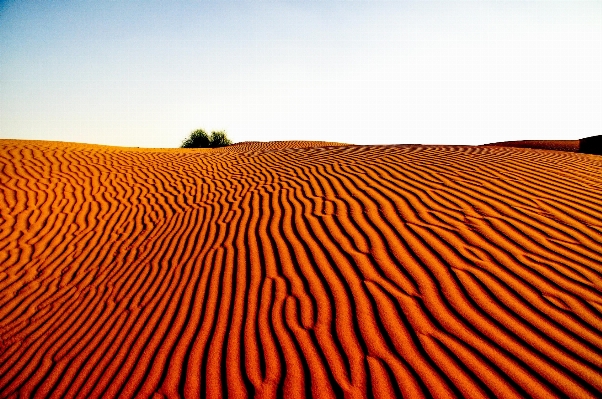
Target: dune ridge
{"x":299,"y":270}
{"x":555,"y":145}
{"x":587,"y":145}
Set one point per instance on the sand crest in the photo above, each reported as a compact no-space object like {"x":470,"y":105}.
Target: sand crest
{"x":299,"y":269}
{"x":556,"y":145}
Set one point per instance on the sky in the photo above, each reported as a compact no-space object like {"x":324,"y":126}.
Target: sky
{"x":146,"y":73}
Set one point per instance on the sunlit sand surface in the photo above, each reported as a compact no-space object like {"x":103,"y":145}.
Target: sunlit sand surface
{"x":299,"y":269}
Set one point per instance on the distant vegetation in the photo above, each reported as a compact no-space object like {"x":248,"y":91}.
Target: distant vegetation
{"x":200,"y":139}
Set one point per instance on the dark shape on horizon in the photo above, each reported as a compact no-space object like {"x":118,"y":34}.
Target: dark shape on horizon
{"x":587,"y":145}
{"x":200,"y":139}
{"x":555,"y":145}
{"x":591,"y":145}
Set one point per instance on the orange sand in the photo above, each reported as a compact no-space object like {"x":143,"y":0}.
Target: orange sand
{"x":299,"y":269}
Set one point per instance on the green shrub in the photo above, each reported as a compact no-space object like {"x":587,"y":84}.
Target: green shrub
{"x":197,"y":139}
{"x":219,"y":139}
{"x":200,"y":139}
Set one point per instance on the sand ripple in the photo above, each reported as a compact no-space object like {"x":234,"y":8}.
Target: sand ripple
{"x":299,"y":270}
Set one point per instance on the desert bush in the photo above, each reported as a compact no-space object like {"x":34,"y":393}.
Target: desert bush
{"x":200,"y":139}
{"x":219,"y":139}
{"x":197,"y":139}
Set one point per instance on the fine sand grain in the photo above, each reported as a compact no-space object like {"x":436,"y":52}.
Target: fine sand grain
{"x":298,"y":269}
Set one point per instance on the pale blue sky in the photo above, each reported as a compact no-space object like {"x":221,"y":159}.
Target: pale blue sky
{"x":146,"y":73}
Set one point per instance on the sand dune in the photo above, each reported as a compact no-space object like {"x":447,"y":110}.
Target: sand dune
{"x":299,"y":270}
{"x":556,"y":145}
{"x":586,"y":145}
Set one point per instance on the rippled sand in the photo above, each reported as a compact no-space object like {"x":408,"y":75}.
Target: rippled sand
{"x":299,"y":269}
